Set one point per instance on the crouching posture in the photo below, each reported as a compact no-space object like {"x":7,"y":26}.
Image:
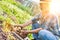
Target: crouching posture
{"x":44,"y":28}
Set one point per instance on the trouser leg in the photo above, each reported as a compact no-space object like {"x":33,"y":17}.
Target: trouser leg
{"x":46,"y":35}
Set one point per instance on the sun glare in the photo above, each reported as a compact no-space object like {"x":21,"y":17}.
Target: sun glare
{"x":55,"y":6}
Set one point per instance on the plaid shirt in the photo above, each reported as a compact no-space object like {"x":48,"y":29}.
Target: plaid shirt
{"x":50,"y":23}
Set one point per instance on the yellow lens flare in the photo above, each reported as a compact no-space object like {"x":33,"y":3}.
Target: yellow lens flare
{"x":55,"y":6}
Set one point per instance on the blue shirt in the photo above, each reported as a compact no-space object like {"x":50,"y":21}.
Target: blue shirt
{"x":50,"y":23}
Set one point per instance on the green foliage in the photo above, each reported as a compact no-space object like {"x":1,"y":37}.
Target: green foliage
{"x":19,"y":5}
{"x":13,"y":8}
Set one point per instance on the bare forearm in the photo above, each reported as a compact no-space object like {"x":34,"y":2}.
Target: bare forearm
{"x":35,"y":31}
{"x":25,"y":24}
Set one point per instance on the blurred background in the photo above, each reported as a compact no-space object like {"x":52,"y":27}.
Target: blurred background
{"x":19,"y":11}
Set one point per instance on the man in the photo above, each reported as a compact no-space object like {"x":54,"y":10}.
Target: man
{"x":46,"y":29}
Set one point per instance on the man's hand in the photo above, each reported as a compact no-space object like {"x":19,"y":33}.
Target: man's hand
{"x":18,"y":25}
{"x":25,"y":31}
{"x":24,"y":24}
{"x":17,"y":29}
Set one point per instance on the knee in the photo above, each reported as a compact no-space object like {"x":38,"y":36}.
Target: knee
{"x":45,"y":34}
{"x":42,"y":32}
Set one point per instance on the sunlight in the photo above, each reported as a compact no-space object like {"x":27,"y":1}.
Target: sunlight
{"x":55,"y":6}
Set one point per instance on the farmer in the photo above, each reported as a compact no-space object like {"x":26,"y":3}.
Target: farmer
{"x":44,"y":26}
